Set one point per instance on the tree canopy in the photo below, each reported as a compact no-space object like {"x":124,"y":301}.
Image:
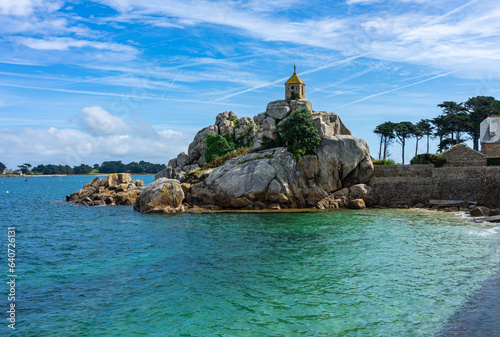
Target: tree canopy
{"x":298,"y":133}
{"x":386,"y":133}
{"x":403,"y":131}
{"x":106,"y":167}
{"x":457,"y":123}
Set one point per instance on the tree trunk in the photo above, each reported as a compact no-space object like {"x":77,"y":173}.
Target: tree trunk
{"x":427,"y":144}
{"x":403,"y":150}
{"x":385,"y":148}
{"x":476,"y":142}
{"x":416,"y":148}
{"x":380,"y":150}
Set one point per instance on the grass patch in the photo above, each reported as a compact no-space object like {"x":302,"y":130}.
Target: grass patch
{"x":384,"y":162}
{"x":218,"y":161}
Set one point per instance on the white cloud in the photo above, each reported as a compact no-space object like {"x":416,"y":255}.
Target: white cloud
{"x":27,"y":7}
{"x":440,"y":30}
{"x":98,"y":121}
{"x":64,"y":43}
{"x":95,"y":144}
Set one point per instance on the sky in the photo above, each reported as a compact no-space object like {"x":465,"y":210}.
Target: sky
{"x":90,"y":81}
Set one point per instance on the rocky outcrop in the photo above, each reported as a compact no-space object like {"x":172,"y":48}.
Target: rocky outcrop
{"x":250,"y":132}
{"x":274,"y":178}
{"x":264,"y":179}
{"x":114,"y":189}
{"x":329,"y":124}
{"x":161,"y":196}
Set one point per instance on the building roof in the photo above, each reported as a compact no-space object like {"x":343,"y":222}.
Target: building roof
{"x":294,"y":78}
{"x":461,"y":147}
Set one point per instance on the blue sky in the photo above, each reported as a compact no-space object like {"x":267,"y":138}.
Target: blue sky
{"x":88,"y":81}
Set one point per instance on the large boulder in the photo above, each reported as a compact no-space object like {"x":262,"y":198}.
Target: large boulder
{"x":278,"y":109}
{"x":301,"y":103}
{"x":182,"y":159}
{"x":161,"y":196}
{"x":365,"y":192}
{"x":338,"y":156}
{"x":329,"y":124}
{"x":267,"y":177}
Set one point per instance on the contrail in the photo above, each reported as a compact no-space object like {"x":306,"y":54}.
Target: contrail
{"x":356,"y":57}
{"x":171,"y":84}
{"x":345,"y":79}
{"x":349,"y":59}
{"x":395,"y":89}
{"x":83,"y":92}
{"x":453,"y":11}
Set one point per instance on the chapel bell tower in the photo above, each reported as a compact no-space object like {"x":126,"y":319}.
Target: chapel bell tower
{"x":294,"y":84}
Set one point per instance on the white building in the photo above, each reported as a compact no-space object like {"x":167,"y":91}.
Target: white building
{"x":490,"y":136}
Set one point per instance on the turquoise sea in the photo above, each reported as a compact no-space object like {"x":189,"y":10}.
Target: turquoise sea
{"x":111,"y":271}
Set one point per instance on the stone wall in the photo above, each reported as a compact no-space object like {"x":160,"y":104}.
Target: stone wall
{"x":462,"y":155}
{"x":491,"y":149}
{"x":411,"y":184}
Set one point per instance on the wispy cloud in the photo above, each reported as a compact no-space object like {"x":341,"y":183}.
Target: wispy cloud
{"x":126,"y":95}
{"x":395,"y":89}
{"x":27,"y":7}
{"x":64,"y":43}
{"x":336,"y":63}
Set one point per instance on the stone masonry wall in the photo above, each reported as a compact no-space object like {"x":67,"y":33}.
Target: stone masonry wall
{"x":462,"y":155}
{"x":411,"y":184}
{"x":491,"y":149}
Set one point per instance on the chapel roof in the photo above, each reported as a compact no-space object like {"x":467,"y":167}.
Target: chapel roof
{"x":294,"y":78}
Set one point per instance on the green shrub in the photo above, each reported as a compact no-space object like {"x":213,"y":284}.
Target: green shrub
{"x":217,"y":146}
{"x":294,"y":96}
{"x":427,"y":158}
{"x":439,"y":160}
{"x":218,"y":161}
{"x":298,"y":133}
{"x":490,"y":161}
{"x":424,"y":158}
{"x":384,"y":162}
{"x":269,"y":143}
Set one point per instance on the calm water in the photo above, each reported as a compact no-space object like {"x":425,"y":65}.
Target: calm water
{"x":111,"y":271}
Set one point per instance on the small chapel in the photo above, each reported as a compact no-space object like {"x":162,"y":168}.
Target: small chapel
{"x":294,"y":84}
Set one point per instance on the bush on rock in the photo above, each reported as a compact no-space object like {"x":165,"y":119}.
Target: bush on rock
{"x":217,"y":146}
{"x":298,"y":133}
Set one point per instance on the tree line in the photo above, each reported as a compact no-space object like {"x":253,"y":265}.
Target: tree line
{"x":458,"y":123}
{"x":105,"y":167}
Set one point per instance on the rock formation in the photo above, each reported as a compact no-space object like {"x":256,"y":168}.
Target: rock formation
{"x":249,"y":132}
{"x":114,"y":189}
{"x":274,"y":178}
{"x":263,"y":179}
{"x":161,"y":196}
